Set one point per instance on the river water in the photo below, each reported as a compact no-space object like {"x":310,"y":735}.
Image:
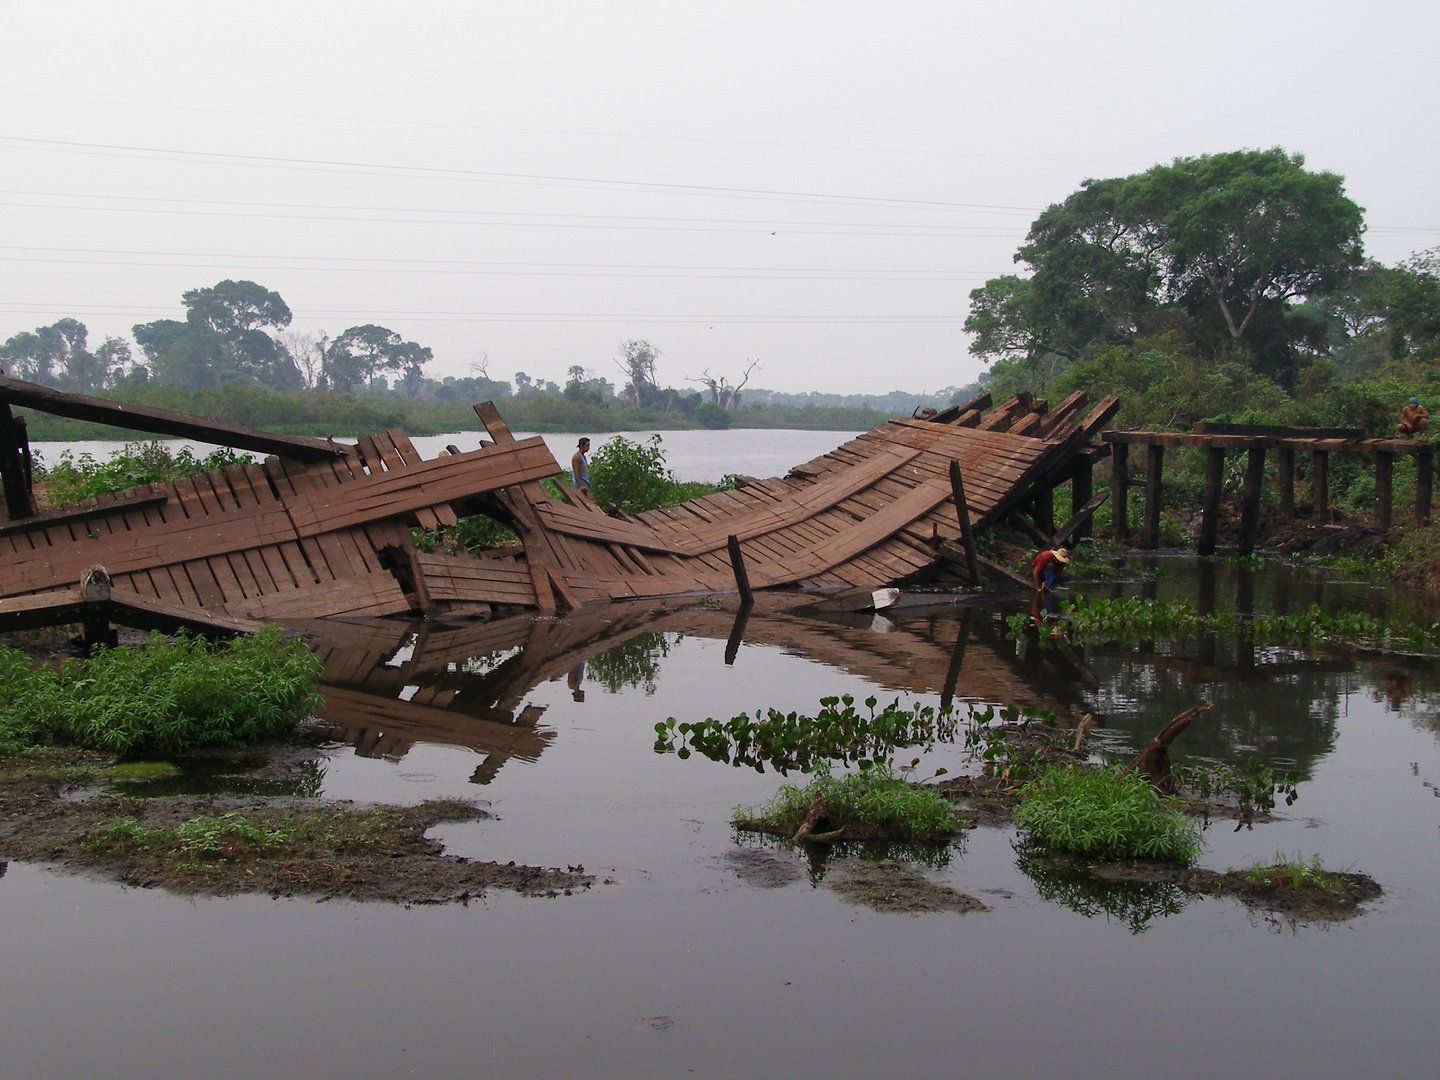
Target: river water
{"x":691,"y":455}
{"x":679,"y":963}
{"x":675,"y":965}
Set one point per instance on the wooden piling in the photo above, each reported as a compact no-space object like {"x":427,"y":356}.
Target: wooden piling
{"x":1082,"y":488}
{"x":1154,"y":467}
{"x":1250,"y":499}
{"x":1320,"y":486}
{"x":1120,"y":491}
{"x":962,"y":511}
{"x":1384,"y":472}
{"x":1424,"y":485}
{"x":1286,"y":483}
{"x":1210,"y":508}
{"x":18,"y":502}
{"x":737,"y":564}
{"x":1043,"y":501}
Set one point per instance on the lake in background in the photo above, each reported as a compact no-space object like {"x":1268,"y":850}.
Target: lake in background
{"x":693,"y":455}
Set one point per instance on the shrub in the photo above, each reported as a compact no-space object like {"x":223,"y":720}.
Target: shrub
{"x":874,"y":797}
{"x":1104,"y":814}
{"x":168,"y":697}
{"x":71,"y":479}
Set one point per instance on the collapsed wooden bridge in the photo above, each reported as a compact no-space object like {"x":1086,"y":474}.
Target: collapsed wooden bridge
{"x":322,"y":529}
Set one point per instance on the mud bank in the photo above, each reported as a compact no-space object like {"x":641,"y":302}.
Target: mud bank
{"x":67,"y":809}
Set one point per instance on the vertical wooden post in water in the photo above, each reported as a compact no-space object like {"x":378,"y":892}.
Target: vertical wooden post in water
{"x":737,"y":564}
{"x":1044,"y":509}
{"x":1287,"y":484}
{"x":1154,"y":468}
{"x":1320,"y":486}
{"x":1424,"y":485}
{"x":962,"y":511}
{"x":1250,"y":500}
{"x":1210,"y":508}
{"x":1384,"y":472}
{"x":1082,"y":487}
{"x":1120,"y":491}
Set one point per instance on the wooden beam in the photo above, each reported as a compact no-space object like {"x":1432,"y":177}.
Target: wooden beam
{"x":978,"y":403}
{"x":1081,"y":518}
{"x":1424,"y":486}
{"x":125,"y":414}
{"x":1384,"y":474}
{"x":737,"y":564}
{"x":1120,"y":489}
{"x":1286,"y":483}
{"x":1154,"y":491}
{"x":1042,"y":498}
{"x":1082,"y":489}
{"x":1030,"y":529}
{"x":83,"y":513}
{"x":1210,"y":503}
{"x":1250,"y":499}
{"x":1279,"y":432}
{"x":737,"y":632}
{"x":962,"y":511}
{"x":19,"y":503}
{"x":1320,"y":486}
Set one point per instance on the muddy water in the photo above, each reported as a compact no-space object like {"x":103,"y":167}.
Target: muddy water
{"x":685,"y":962}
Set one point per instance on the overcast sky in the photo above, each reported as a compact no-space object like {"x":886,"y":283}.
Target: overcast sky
{"x":818,"y":186}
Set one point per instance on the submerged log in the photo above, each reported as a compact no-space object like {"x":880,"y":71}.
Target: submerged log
{"x":1154,"y":761}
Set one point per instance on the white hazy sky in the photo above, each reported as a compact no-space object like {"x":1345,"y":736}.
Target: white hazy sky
{"x":815,"y":185}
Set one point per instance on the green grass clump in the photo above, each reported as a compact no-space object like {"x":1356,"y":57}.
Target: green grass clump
{"x":1296,"y":873}
{"x":165,"y":698}
{"x":1104,"y":814}
{"x":875,"y":798}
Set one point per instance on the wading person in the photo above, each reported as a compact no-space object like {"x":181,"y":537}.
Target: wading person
{"x":580,"y":467}
{"x":1413,"y":419}
{"x":1049,"y":567}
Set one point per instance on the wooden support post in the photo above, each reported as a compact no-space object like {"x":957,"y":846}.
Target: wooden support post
{"x":1424,"y":485}
{"x":1384,"y":473}
{"x":18,"y":503}
{"x":1210,"y":508}
{"x":1286,"y":481}
{"x":1082,"y":489}
{"x":1250,"y":500}
{"x":962,"y":511}
{"x":1120,"y":491}
{"x":737,"y":564}
{"x":1320,"y":486}
{"x":1044,"y":512}
{"x":1154,"y":468}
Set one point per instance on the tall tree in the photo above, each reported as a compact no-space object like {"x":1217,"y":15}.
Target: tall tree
{"x":637,"y":361}
{"x":1224,"y":239}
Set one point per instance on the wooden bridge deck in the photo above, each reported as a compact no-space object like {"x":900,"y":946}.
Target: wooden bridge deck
{"x":329,"y":536}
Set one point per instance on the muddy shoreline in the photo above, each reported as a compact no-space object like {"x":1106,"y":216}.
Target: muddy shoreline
{"x":66,"y":809}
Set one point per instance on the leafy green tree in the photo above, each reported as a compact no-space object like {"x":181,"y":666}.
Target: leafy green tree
{"x":226,"y":324}
{"x":363,"y":354}
{"x":637,"y":361}
{"x":1218,"y":244}
{"x":54,"y":355}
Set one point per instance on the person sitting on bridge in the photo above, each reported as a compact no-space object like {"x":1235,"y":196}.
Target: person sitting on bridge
{"x":580,"y":467}
{"x":1049,"y":567}
{"x":1413,"y":419}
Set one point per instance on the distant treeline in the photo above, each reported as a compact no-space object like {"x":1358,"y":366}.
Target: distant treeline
{"x":326,"y":412}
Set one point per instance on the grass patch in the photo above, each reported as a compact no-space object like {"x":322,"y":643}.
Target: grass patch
{"x":140,"y":771}
{"x":873,"y":804}
{"x":1104,"y":814}
{"x":166,"y":698}
{"x":1296,"y":874}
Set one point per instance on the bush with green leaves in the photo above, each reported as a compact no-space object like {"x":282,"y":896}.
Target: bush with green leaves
{"x":634,"y":477}
{"x":168,"y":697}
{"x":71,"y":479}
{"x":1105,"y":814}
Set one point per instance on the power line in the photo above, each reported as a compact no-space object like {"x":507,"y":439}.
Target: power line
{"x":437,"y":173}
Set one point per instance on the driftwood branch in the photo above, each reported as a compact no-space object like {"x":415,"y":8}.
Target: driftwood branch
{"x":1154,"y":761}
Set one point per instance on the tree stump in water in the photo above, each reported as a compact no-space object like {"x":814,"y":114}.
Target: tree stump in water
{"x":1154,"y":760}
{"x":813,"y":828}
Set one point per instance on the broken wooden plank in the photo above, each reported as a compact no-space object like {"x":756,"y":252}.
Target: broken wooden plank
{"x":164,"y":422}
{"x":71,"y":515}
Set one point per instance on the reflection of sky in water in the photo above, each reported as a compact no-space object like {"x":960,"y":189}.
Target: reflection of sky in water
{"x":549,"y":987}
